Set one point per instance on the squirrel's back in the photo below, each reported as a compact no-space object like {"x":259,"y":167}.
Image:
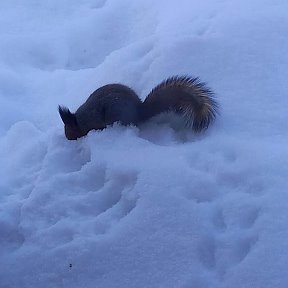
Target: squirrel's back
{"x":109,"y":104}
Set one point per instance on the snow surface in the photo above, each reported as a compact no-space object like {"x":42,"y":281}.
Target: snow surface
{"x":155,"y":206}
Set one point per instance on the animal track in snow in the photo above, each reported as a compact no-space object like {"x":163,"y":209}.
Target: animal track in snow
{"x":219,"y":221}
{"x":207,"y":251}
{"x":248,"y":217}
{"x":231,"y":252}
{"x":202,"y":190}
{"x":240,"y":213}
{"x":233,"y":237}
{"x":10,"y":237}
{"x":227,"y":192}
{"x":118,"y":200}
{"x":102,"y":196}
{"x":243,"y":180}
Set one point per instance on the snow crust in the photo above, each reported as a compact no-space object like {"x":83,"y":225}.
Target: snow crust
{"x":152,"y":206}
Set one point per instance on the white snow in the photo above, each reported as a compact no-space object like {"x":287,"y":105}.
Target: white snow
{"x":151,"y":206}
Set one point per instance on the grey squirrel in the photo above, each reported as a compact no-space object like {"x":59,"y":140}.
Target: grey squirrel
{"x":183,"y":95}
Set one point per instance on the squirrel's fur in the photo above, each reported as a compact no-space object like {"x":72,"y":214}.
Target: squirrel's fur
{"x":183,"y":95}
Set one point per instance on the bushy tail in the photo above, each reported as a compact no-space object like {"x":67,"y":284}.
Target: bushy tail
{"x":186,"y":96}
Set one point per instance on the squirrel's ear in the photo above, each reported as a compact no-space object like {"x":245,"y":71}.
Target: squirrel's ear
{"x":67,"y":117}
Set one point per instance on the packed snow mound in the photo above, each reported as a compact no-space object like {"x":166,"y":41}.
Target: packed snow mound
{"x":152,"y":206}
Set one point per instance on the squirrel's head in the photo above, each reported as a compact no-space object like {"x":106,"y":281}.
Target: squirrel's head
{"x":72,"y":130}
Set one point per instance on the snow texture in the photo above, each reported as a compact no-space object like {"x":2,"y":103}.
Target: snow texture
{"x":152,"y":206}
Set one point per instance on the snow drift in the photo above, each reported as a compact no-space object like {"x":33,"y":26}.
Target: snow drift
{"x":149,"y":207}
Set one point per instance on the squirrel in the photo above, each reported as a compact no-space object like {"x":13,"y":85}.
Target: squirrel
{"x":183,"y":95}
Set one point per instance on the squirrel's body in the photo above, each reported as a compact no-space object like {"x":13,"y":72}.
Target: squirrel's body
{"x":118,"y":103}
{"x":108,"y":104}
